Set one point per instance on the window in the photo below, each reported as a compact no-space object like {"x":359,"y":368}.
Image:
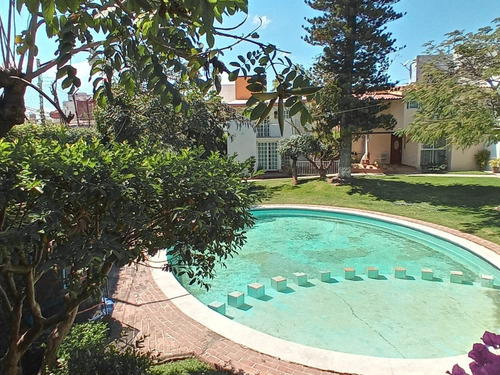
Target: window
{"x":286,"y":113}
{"x":412,"y":104}
{"x":267,"y":156}
{"x":434,"y":155}
{"x":263,"y":129}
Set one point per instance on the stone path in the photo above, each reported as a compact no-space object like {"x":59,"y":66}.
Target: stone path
{"x":143,"y":310}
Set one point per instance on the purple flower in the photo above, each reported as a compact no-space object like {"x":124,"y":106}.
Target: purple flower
{"x":486,"y":357}
{"x":481,"y":354}
{"x":457,"y":370}
{"x":491,"y":339}
{"x":492,"y":368}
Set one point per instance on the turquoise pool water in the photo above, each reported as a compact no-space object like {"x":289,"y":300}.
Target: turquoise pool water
{"x":386,"y":317}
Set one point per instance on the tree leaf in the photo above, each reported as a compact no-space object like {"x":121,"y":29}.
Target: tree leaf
{"x":267,"y":110}
{"x":263,"y":96}
{"x":258,"y":111}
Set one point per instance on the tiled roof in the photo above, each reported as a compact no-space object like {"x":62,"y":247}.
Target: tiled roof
{"x":383,"y":95}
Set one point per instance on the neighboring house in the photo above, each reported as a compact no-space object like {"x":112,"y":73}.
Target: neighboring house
{"x":384,"y":147}
{"x":261,"y":142}
{"x":80,"y":105}
{"x":380,"y":145}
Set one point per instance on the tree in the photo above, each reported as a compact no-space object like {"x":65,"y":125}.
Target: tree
{"x":294,"y":147}
{"x":306,"y":145}
{"x":355,"y":58}
{"x":76,"y":210}
{"x":140,"y":116}
{"x":457,"y":93}
{"x":170,"y":42}
{"x":325,"y":129}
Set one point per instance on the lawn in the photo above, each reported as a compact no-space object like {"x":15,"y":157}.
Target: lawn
{"x":469,"y":204}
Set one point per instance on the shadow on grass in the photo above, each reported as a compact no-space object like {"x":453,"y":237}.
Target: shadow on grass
{"x":452,"y":198}
{"x":467,"y":196}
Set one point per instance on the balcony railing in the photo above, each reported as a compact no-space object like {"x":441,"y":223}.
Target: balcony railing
{"x":268,"y":131}
{"x":305,"y":168}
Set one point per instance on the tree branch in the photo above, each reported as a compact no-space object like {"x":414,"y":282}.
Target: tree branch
{"x":52,"y":63}
{"x":33,"y":305}
{"x":6,"y":298}
{"x":31,"y":54}
{"x":65,"y":118}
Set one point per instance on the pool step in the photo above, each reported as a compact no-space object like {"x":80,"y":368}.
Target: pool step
{"x":487,"y":281}
{"x":278,"y":283}
{"x":220,"y":307}
{"x":372,"y":272}
{"x":456,"y":277}
{"x":325,"y":276}
{"x":300,"y":278}
{"x":400,"y":272}
{"x":427,"y":274}
{"x":236,"y":299}
{"x":256,"y":290}
{"x":349,"y":273}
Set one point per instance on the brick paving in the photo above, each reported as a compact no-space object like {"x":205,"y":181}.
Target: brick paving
{"x":144,"y":311}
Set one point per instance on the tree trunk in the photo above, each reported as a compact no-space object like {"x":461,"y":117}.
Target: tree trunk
{"x":12,"y":107}
{"x":11,"y":361}
{"x":57,"y":336}
{"x":345,"y":148}
{"x":322,"y":173}
{"x":295,"y":179}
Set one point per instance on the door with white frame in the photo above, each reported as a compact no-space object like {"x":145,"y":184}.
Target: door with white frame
{"x":267,"y":156}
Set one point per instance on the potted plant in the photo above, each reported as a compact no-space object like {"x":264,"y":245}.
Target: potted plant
{"x":495,"y":165}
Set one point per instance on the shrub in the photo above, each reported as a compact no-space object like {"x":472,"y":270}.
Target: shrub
{"x":86,"y":350}
{"x":481,"y":158}
{"x":56,"y":132}
{"x":186,"y":367}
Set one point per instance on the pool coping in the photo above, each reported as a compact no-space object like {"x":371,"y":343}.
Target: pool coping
{"x":315,"y":357}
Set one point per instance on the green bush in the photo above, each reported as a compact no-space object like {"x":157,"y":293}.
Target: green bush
{"x":87,"y":351}
{"x":186,"y":367}
{"x":481,"y":158}
{"x":56,"y":132}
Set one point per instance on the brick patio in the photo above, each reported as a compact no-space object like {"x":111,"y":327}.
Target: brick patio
{"x":143,"y":310}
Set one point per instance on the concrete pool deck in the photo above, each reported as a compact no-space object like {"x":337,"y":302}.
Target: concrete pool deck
{"x":151,"y":302}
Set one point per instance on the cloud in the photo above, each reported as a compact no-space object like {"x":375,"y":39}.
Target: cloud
{"x":257,"y":20}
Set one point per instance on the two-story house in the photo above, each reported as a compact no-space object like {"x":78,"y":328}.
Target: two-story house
{"x":381,"y":146}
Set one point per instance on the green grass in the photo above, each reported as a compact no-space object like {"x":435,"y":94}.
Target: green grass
{"x":186,"y":367}
{"x":469,"y":204}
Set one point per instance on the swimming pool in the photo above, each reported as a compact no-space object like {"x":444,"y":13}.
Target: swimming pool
{"x":386,"y":317}
{"x":341,"y":360}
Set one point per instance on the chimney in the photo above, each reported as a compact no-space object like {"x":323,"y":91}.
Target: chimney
{"x":242,"y":93}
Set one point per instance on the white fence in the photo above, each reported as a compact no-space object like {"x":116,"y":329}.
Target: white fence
{"x":304,"y":168}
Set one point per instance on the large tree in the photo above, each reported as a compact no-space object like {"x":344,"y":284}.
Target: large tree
{"x":75,"y":210}
{"x":458,"y":91}
{"x":355,"y":57}
{"x":141,"y":117}
{"x":158,"y":42}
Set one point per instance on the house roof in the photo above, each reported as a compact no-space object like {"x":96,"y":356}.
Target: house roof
{"x":383,"y":95}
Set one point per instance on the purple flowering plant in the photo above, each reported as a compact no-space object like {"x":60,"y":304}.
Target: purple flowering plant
{"x":486,"y":357}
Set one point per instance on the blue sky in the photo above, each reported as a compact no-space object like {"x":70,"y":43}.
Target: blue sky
{"x":424,"y":20}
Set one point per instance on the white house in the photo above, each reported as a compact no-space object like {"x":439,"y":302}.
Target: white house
{"x":381,"y":146}
{"x":246,"y":140}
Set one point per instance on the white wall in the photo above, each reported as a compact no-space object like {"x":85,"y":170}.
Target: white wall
{"x":463,"y":160}
{"x":242,"y":141}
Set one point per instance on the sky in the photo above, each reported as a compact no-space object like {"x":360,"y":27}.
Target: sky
{"x":283,"y":21}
